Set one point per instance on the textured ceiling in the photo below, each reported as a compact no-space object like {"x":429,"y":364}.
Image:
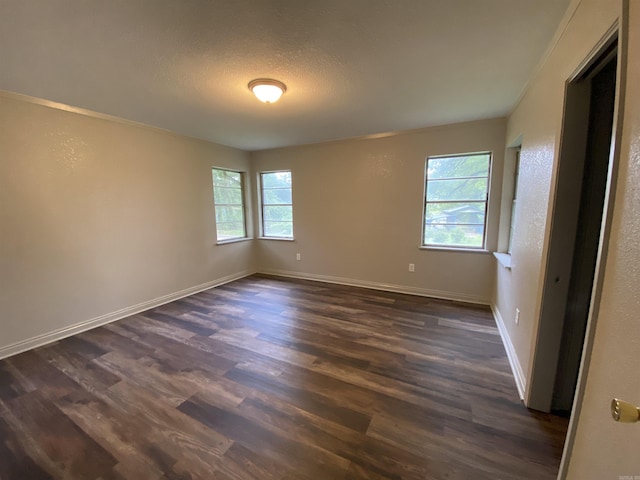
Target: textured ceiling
{"x":352,"y":67}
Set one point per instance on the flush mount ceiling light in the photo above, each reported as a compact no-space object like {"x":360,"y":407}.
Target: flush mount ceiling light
{"x":267,"y":90}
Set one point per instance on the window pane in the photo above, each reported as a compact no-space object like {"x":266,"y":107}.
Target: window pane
{"x":512,"y":224}
{"x":229,"y":214}
{"x":454,"y":235}
{"x":231,"y":230}
{"x":455,"y":167}
{"x":226,"y":195}
{"x":277,"y":196}
{"x":455,"y":213}
{"x":278,"y":229}
{"x":467,"y":189}
{"x":278,"y":214}
{"x":225,"y":178}
{"x":276,"y":180}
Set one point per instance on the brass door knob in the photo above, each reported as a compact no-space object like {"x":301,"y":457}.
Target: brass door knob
{"x":625,"y":412}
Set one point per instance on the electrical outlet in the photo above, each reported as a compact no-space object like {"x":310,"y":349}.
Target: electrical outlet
{"x":412,"y":267}
{"x":297,"y":256}
{"x":517,"y":316}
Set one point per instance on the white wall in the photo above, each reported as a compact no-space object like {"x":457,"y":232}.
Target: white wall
{"x":358,"y":210}
{"x":97,"y":216}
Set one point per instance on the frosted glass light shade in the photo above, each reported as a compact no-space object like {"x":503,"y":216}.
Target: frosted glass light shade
{"x":267,"y":90}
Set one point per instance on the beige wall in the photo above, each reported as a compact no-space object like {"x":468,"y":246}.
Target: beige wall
{"x":98,"y":216}
{"x":537,"y":119}
{"x":358,"y":209}
{"x":605,"y":449}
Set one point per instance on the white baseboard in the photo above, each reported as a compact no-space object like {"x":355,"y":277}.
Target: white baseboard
{"x":56,"y":335}
{"x":423,"y":292}
{"x":516,"y":368}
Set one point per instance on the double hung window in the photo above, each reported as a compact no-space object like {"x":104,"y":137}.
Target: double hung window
{"x":455,"y":201}
{"x":276,"y":204}
{"x":228,"y":196}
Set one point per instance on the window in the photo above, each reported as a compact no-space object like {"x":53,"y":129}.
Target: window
{"x":277,"y":209}
{"x":228,"y":197}
{"x":516,"y":174}
{"x":455,"y":208}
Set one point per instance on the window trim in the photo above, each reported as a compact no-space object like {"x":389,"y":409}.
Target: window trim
{"x":243,"y":193}
{"x":262,"y":205}
{"x":461,"y":248}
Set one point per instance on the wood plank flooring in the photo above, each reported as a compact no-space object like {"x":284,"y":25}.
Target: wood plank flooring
{"x":268,"y":378}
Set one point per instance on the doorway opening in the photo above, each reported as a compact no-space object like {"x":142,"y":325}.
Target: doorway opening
{"x":575,"y":242}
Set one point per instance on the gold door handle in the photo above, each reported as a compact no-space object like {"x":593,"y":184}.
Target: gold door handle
{"x":625,"y":412}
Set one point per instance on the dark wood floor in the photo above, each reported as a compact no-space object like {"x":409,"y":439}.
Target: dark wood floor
{"x":267,"y":378}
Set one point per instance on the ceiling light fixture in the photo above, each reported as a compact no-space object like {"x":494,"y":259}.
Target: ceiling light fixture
{"x":267,"y":90}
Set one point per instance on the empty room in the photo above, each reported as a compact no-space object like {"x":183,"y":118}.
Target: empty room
{"x":277,"y":239}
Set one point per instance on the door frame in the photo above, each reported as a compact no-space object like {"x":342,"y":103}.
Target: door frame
{"x":618,"y":30}
{"x":564,"y":214}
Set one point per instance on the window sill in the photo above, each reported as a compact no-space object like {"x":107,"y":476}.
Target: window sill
{"x":454,"y":249}
{"x":233,"y":240}
{"x":281,"y":239}
{"x":504,"y":259}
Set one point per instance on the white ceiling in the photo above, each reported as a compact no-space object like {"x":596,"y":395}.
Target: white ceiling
{"x":352,"y":67}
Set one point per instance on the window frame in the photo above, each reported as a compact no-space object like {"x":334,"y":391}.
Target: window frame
{"x":514,"y":201}
{"x":263,"y":235}
{"x":243,"y":194}
{"x":425,"y":203}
